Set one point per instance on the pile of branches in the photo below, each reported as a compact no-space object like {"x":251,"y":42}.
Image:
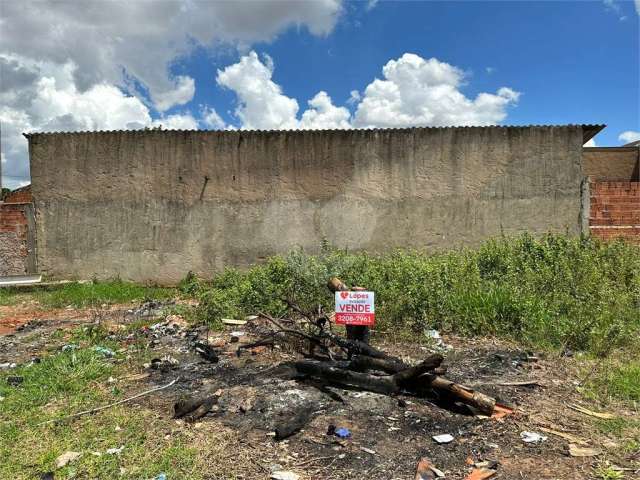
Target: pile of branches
{"x":351,"y":362}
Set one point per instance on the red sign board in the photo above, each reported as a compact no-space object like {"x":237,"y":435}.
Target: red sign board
{"x":355,"y":308}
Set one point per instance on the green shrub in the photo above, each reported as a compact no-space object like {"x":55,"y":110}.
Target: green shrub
{"x":554,"y":291}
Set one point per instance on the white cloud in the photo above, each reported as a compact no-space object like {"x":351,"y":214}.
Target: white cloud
{"x":613,"y":7}
{"x":211,"y":119}
{"x":414,"y":92}
{"x":590,"y":143}
{"x":144,"y":37}
{"x":629,"y":136}
{"x":354,"y":97}
{"x":419,"y":92}
{"x":323,"y":114}
{"x":261,"y":103}
{"x":61,"y":64}
{"x":638,"y":7}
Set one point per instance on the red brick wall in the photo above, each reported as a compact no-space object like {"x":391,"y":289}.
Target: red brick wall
{"x":13,"y":240}
{"x":21,"y":195}
{"x":615,"y":210}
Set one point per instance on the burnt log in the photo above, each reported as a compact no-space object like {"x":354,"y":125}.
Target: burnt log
{"x":332,"y":373}
{"x":466,"y":395}
{"x":191,"y":409}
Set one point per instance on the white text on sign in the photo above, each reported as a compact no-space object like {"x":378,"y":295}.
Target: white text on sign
{"x":355,"y":308}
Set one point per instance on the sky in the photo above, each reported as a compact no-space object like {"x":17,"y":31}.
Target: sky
{"x":280,"y":64}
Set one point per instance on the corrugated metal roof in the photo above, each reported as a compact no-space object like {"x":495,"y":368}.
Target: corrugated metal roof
{"x":589,"y":130}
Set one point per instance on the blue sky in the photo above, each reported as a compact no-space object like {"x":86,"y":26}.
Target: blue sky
{"x":257,"y":65}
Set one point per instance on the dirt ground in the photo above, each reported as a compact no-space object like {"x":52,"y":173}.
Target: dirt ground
{"x":388,"y":435}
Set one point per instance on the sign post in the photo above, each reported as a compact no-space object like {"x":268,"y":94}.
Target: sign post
{"x":355,"y":308}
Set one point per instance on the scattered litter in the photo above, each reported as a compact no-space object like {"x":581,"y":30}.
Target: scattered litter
{"x":115,"y":451}
{"x":480,"y":474}
{"x":15,"y":380}
{"x":342,"y":432}
{"x":444,"y":438}
{"x":207,"y":352}
{"x":107,"y":352}
{"x":69,"y":347}
{"x":284,"y":475}
{"x":66,"y":458}
{"x":532,"y":437}
{"x":1,"y":398}
{"x":426,"y":470}
{"x":368,"y":450}
{"x":566,"y":436}
{"x":161,"y":476}
{"x":5,"y":366}
{"x":176,"y":321}
{"x":501,"y":411}
{"x":233,"y":321}
{"x":165,"y":363}
{"x":235,"y":336}
{"x":437,"y":339}
{"x":491,"y":464}
{"x":577,"y":451}
{"x":591,"y":413}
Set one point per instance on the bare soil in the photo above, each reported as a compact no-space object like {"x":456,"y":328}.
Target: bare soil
{"x":259,"y":389}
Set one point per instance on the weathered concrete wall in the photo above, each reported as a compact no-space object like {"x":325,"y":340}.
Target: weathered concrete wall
{"x":612,"y":164}
{"x":149,"y":206}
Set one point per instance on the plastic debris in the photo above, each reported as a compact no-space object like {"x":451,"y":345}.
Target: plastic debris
{"x":501,"y":411}
{"x":577,"y":451}
{"x":444,"y":438}
{"x":66,"y":458}
{"x":480,"y":474}
{"x":426,"y":470}
{"x":284,"y":475}
{"x":437,"y":339}
{"x":5,"y":366}
{"x":532,"y":437}
{"x":160,"y":476}
{"x":69,"y":347}
{"x":233,"y":321}
{"x":368,"y":450}
{"x":342,"y":432}
{"x":115,"y":451}
{"x":107,"y":352}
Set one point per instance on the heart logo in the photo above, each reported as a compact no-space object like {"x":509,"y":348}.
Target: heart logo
{"x":344,"y":295}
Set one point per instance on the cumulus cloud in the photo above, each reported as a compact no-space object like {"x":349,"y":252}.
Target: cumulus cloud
{"x":211,"y":119}
{"x":142,"y":38}
{"x":590,"y":143}
{"x":629,"y":136}
{"x":323,"y":114}
{"x":419,"y":92}
{"x":413,"y":92}
{"x":261,"y":103}
{"x":60,"y":64}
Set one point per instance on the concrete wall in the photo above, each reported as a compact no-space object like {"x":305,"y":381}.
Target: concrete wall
{"x":612,"y":164}
{"x":151,"y":205}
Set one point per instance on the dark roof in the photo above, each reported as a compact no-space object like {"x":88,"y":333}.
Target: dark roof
{"x":589,"y":130}
{"x":632,"y":144}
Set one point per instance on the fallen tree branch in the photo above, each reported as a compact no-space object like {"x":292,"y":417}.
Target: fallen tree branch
{"x":104,"y":407}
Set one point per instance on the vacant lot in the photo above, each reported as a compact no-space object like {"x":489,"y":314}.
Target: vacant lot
{"x":540,"y":325}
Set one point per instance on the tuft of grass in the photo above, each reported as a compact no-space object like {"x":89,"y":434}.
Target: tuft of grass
{"x":616,"y":378}
{"x":91,"y":294}
{"x":551,"y":292}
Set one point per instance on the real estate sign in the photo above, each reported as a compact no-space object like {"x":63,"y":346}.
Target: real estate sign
{"x":355,"y":308}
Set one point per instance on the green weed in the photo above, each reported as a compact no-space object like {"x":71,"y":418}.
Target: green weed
{"x":552,"y":292}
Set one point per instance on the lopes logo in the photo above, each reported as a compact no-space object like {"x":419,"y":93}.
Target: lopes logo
{"x":344,"y":295}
